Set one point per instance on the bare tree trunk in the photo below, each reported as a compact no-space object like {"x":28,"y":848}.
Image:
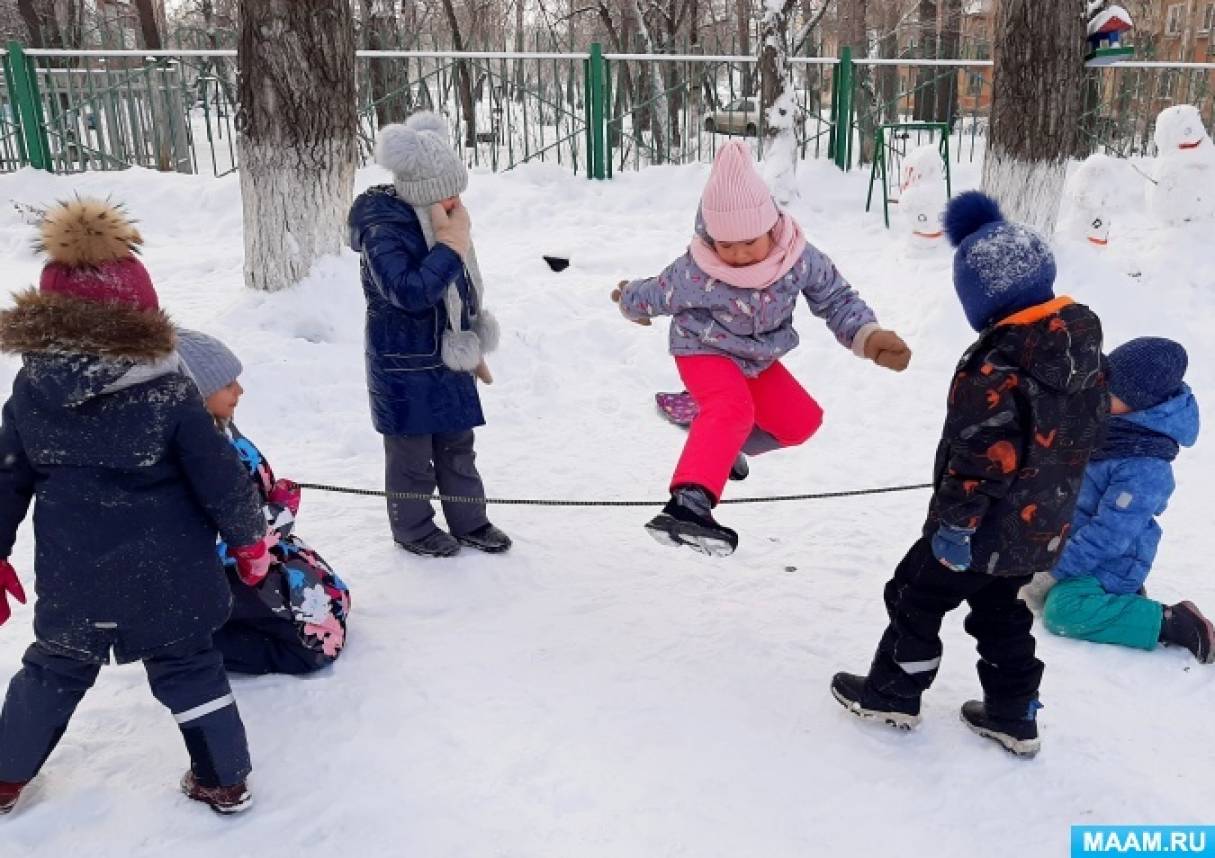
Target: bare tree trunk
{"x":742,"y":10}
{"x":463,"y":78}
{"x":148,"y":25}
{"x":779,"y":106}
{"x":297,"y":145}
{"x":43,"y":23}
{"x":926,"y":88}
{"x":1035,"y":110}
{"x":951,"y":48}
{"x":520,"y":72}
{"x":658,"y":99}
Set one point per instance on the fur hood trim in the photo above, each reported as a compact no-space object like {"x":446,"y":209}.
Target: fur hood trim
{"x":42,"y":322}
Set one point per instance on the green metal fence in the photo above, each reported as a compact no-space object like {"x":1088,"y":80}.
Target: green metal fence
{"x":592,"y":112}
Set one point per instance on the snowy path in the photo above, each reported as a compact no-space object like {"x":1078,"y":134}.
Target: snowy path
{"x":593,"y":694}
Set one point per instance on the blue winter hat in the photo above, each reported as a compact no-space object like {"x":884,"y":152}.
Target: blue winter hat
{"x":1147,"y":371}
{"x":999,"y":268}
{"x":209,"y":361}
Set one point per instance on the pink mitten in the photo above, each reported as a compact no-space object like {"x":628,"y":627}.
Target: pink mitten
{"x":253,"y":561}
{"x":286,"y":494}
{"x":9,"y":584}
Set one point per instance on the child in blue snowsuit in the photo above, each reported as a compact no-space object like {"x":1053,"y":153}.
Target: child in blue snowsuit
{"x":1128,"y":483}
{"x":105,"y":434}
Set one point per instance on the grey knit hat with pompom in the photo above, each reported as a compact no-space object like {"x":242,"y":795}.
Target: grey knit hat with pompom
{"x":424,"y":166}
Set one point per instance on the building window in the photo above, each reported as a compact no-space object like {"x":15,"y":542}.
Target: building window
{"x":1175,"y":19}
{"x":1208,"y":18}
{"x":975,"y":82}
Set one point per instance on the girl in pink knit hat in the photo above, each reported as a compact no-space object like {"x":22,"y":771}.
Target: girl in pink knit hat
{"x":731,"y":299}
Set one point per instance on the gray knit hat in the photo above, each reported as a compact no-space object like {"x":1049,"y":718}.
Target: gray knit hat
{"x":211,"y":363}
{"x":425,"y":168}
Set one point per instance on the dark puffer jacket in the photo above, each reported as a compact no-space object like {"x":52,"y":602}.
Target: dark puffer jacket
{"x":412,"y":392}
{"x":132,"y":480}
{"x":1026,"y":409}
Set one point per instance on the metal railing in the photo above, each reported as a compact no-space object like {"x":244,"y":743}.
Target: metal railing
{"x":591,"y":112}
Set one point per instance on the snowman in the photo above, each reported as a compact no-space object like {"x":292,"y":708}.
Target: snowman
{"x":1185,"y":168}
{"x":922,"y":194}
{"x":1094,"y":190}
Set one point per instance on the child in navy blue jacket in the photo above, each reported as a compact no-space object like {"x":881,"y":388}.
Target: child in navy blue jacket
{"x":1127,"y":485}
{"x":106,"y":434}
{"x":427,"y":336}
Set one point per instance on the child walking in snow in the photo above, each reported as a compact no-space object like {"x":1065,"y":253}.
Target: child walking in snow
{"x":106,"y":433}
{"x":732,"y":297}
{"x":427,"y":335}
{"x":1114,"y":532}
{"x":293,"y":620}
{"x":1025,"y":409}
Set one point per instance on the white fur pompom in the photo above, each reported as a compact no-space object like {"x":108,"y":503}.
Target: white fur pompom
{"x":396,"y":148}
{"x":488,"y":331}
{"x":428,"y":121}
{"x":461,"y":350}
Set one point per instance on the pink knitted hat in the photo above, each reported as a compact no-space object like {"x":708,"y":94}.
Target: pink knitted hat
{"x":736,"y":203}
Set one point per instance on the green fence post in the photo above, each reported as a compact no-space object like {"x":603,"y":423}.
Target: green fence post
{"x":598,"y":131}
{"x":843,"y":113}
{"x":27,"y":104}
{"x":587,"y":120}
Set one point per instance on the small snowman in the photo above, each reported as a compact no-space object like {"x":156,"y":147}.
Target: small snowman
{"x":1095,"y":191}
{"x":1185,"y":168}
{"x":922,"y":194}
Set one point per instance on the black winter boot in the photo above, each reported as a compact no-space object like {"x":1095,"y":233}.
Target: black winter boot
{"x":437,"y":543}
{"x":486,"y":538}
{"x":741,"y":469}
{"x":687,"y":520}
{"x":853,"y":693}
{"x":1016,"y":735}
{"x":1184,"y":625}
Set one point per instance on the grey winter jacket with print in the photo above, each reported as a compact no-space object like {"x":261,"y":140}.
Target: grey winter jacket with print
{"x":752,"y":326}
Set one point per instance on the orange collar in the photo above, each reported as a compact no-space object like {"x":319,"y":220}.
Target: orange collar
{"x":1035,"y":314}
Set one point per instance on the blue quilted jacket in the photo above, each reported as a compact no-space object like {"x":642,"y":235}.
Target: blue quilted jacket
{"x":1114,"y":531}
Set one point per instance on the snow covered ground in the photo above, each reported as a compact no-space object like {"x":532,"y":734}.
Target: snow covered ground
{"x":592,"y":693}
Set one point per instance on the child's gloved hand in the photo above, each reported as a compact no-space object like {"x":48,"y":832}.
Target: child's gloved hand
{"x":452,"y":228}
{"x":887,"y":349}
{"x":286,"y":494}
{"x":9,"y":585}
{"x":253,"y":561}
{"x":951,"y":546}
{"x":617,"y":294}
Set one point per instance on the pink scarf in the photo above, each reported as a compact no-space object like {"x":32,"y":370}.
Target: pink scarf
{"x":787,"y":248}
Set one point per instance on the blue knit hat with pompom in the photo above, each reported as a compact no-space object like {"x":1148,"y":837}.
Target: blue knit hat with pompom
{"x":999,"y":268}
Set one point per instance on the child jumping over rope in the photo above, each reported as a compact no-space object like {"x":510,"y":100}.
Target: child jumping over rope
{"x":731,"y":298}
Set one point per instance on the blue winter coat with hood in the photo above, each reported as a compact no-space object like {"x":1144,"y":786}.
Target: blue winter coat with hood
{"x":412,"y":392}
{"x":1114,"y":532}
{"x":130,"y":479}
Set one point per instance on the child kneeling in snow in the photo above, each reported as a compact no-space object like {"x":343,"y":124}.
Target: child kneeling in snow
{"x":1025,"y":408}
{"x":427,"y":334}
{"x":106,"y":431}
{"x":732,"y":297}
{"x":292,"y":619}
{"x":1114,"y":533}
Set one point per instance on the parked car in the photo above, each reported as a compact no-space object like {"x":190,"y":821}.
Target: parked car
{"x":740,"y":116}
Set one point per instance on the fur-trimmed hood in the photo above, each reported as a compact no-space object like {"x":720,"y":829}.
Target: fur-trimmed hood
{"x":48,"y":323}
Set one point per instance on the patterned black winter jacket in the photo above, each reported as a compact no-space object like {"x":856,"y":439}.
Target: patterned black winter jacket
{"x":1027,"y":407}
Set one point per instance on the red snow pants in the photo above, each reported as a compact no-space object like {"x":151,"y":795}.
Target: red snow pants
{"x":731,"y":407}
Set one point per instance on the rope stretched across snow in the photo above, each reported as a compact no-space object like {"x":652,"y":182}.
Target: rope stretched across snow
{"x":558,"y":502}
